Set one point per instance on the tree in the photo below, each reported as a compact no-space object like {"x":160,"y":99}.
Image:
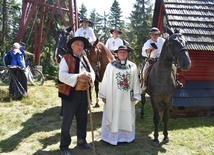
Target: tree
{"x":83,"y":11}
{"x":115,"y":15}
{"x":10,"y":17}
{"x":100,"y":25}
{"x":141,"y":22}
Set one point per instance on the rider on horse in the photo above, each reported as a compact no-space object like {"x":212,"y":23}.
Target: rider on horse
{"x":86,"y":31}
{"x":151,"y":50}
{"x":114,"y":42}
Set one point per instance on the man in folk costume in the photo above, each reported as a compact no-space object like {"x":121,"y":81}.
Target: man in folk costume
{"x":75,"y":74}
{"x":114,"y":42}
{"x":151,"y":51}
{"x":86,"y":31}
{"x":119,"y":90}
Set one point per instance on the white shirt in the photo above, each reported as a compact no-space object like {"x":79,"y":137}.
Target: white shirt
{"x":113,"y":44}
{"x":156,"y":52}
{"x":88,"y":33}
{"x":71,"y":78}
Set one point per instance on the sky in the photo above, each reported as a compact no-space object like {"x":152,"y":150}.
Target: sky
{"x":104,"y":5}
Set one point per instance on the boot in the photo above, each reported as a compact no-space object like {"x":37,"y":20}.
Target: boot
{"x":178,"y":84}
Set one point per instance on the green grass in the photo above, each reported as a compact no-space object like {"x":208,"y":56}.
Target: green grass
{"x":32,"y":127}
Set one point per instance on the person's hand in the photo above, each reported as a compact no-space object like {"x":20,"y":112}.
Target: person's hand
{"x":148,"y":50}
{"x":104,"y":100}
{"x":84,"y":76}
{"x":134,"y":99}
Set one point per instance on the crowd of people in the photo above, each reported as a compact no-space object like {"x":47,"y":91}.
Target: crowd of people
{"x":120,"y":88}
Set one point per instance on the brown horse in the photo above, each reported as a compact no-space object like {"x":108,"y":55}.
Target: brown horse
{"x":99,"y":56}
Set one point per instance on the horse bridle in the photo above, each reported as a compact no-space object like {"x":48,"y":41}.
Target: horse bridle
{"x":175,"y":57}
{"x":97,"y":61}
{"x":68,"y":36}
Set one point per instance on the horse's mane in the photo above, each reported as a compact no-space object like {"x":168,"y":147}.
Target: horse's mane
{"x":108,"y":53}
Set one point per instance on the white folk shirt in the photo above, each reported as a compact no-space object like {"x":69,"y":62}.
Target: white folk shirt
{"x":156,"y":52}
{"x":88,"y":33}
{"x":71,"y":78}
{"x":113,"y":44}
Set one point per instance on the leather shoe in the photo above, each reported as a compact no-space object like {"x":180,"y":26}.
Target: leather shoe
{"x":85,"y":145}
{"x":65,"y":152}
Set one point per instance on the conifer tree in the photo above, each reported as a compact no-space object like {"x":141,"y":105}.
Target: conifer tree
{"x":83,"y":11}
{"x":115,"y":15}
{"x":141,"y":22}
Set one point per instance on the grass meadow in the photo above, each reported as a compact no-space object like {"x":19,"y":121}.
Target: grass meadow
{"x":32,"y":127}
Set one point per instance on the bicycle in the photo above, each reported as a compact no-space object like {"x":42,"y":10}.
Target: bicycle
{"x":34,"y":76}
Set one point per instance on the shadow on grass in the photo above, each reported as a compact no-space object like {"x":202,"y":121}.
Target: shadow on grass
{"x":44,"y":121}
{"x":48,"y":121}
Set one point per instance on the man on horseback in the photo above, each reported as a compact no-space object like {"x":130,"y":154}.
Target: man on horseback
{"x":85,"y":31}
{"x":151,"y":50}
{"x":114,"y":42}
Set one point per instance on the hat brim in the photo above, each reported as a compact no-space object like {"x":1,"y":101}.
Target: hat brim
{"x":86,"y":21}
{"x":83,"y":39}
{"x":155,"y":32}
{"x":122,"y":49}
{"x":111,"y":31}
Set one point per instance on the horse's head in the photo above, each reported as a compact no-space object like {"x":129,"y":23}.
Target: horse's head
{"x":99,"y":56}
{"x":62,"y":37}
{"x":93,"y":53}
{"x":176,"y":46}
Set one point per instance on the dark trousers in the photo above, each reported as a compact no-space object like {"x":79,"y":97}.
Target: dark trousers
{"x":77,"y":107}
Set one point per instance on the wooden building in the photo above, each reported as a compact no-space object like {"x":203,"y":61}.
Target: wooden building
{"x":195,"y":19}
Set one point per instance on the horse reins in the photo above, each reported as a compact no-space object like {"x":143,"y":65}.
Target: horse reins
{"x":96,"y":68}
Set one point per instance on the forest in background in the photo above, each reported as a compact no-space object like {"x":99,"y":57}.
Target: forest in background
{"x":135,"y":29}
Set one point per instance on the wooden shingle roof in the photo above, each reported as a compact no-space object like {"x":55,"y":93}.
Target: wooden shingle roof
{"x":196,"y":20}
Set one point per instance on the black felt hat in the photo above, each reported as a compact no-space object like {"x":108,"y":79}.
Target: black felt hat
{"x":122,"y":47}
{"x":85,"y":19}
{"x":83,"y":39}
{"x":115,"y":29}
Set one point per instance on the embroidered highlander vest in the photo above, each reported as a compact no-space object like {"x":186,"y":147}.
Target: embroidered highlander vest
{"x":65,"y":91}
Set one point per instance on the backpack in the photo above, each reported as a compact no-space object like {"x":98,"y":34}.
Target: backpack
{"x":7,"y":59}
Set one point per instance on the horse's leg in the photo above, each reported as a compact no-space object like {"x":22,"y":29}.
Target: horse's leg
{"x":96,"y":83}
{"x":143,"y":101}
{"x":156,"y":120}
{"x":165,"y":122}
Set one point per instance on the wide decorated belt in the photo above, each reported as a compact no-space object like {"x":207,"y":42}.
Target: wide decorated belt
{"x":81,"y":85}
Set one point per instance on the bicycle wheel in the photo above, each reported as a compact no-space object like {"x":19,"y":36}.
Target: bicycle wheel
{"x":4,"y":75}
{"x":36,"y":77}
